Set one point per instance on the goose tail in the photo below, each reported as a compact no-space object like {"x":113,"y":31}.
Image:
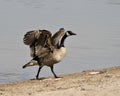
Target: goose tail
{"x":31,"y":63}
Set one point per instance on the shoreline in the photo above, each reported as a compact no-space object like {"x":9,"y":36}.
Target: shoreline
{"x":87,"y":83}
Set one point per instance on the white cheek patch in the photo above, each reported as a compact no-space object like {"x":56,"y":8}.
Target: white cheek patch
{"x":67,"y":34}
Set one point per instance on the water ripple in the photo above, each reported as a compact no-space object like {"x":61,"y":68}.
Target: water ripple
{"x":114,"y":2}
{"x":30,"y":3}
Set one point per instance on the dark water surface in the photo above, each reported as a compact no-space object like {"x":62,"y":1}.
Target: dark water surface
{"x":96,"y":22}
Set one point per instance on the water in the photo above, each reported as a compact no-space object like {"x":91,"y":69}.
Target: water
{"x":96,"y":46}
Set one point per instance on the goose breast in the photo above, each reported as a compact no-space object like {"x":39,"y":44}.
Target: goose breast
{"x":59,"y":54}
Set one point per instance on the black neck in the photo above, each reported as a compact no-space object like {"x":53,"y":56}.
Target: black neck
{"x":62,"y":41}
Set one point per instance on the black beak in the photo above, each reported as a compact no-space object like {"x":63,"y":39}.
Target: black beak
{"x":74,"y":33}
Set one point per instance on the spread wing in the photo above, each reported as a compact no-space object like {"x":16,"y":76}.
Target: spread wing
{"x":39,"y":42}
{"x":31,"y":36}
{"x":56,"y":37}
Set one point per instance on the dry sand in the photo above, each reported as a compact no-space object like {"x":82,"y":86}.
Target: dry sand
{"x":104,"y":82}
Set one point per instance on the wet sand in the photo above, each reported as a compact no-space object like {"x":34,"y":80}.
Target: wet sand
{"x":104,"y":82}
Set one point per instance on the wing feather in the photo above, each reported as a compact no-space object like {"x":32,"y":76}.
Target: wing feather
{"x":39,"y":42}
{"x":31,"y":36}
{"x":56,"y":37}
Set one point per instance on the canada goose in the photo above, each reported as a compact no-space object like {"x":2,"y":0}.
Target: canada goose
{"x":46,"y":49}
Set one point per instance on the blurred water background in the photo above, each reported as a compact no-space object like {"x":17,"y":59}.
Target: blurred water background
{"x":96,"y":46}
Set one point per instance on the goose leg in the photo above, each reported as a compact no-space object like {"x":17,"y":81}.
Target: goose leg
{"x":37,"y":76}
{"x":51,"y":67}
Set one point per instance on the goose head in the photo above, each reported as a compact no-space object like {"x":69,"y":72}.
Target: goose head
{"x":70,"y":33}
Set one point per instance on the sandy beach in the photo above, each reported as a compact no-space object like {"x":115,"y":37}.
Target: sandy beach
{"x":105,"y":82}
